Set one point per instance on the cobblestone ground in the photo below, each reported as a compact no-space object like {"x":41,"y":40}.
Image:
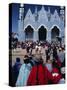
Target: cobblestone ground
{"x":19,"y":53}
{"x":22,"y":52}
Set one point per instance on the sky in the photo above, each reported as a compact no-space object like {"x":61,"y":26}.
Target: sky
{"x":33,"y":6}
{"x":15,"y":12}
{"x":15,"y":17}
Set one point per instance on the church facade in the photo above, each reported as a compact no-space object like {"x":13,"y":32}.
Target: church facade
{"x":41,"y":25}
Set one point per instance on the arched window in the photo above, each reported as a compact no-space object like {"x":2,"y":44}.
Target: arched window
{"x":42,"y":33}
{"x":29,"y":33}
{"x":54,"y":33}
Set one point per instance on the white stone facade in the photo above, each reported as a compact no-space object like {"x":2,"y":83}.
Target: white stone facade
{"x":40,"y":18}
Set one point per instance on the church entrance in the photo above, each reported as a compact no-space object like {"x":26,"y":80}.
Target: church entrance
{"x":42,"y":33}
{"x":29,"y":33}
{"x":54,"y":33}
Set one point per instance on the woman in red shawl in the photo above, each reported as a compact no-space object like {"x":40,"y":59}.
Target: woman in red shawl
{"x":40,"y":75}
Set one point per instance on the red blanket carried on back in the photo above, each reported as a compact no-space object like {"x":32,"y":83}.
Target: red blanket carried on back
{"x":40,"y":75}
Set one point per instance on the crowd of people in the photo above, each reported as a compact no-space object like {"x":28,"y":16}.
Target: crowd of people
{"x":45,"y":66}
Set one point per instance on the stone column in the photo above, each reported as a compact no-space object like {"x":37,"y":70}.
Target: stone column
{"x":21,"y":31}
{"x":35,"y":36}
{"x":48,"y":38}
{"x":21,"y":36}
{"x":62,"y":35}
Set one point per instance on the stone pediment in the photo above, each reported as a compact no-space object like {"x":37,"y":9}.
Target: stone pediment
{"x":42,"y":14}
{"x":55,"y":17}
{"x":29,"y":16}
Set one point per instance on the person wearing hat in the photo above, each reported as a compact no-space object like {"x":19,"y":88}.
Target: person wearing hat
{"x":16,"y":69}
{"x":24,"y":72}
{"x":61,"y":55}
{"x":40,"y":75}
{"x":62,"y":70}
{"x":48,"y":64}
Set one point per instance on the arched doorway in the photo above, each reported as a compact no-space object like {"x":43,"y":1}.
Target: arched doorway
{"x":42,"y":33}
{"x":54,"y":33}
{"x":29,"y":33}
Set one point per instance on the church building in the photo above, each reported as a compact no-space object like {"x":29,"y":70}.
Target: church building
{"x":42,"y":25}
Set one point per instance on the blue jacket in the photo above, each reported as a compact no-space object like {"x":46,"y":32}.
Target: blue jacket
{"x":23,"y":75}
